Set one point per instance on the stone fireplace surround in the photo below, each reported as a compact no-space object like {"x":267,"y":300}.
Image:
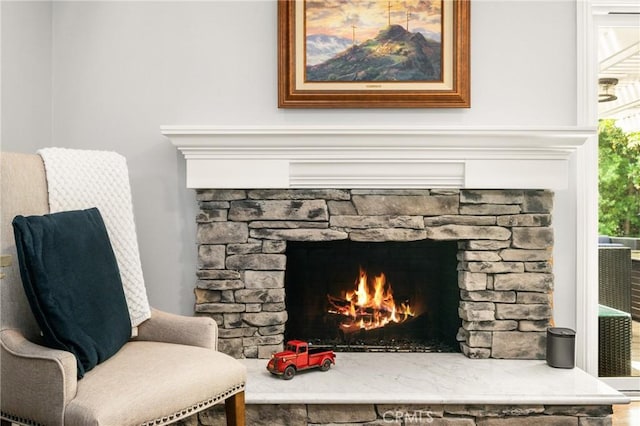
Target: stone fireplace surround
{"x":504,"y":238}
{"x":456,"y":390}
{"x":560,"y":159}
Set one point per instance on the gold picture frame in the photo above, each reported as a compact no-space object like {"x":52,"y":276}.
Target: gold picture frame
{"x":384,"y":65}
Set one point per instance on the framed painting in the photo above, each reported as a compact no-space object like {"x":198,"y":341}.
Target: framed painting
{"x":373,"y":53}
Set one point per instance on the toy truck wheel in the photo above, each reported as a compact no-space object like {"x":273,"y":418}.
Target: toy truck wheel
{"x":326,"y":364}
{"x":289,"y":372}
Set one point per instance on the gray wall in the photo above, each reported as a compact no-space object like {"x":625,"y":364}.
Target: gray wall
{"x":26,"y":74}
{"x":120,"y":70}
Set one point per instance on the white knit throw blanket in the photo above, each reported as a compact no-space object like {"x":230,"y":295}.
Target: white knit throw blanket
{"x":81,"y":179}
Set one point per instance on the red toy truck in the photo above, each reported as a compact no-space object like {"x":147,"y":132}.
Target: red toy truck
{"x":298,"y":356}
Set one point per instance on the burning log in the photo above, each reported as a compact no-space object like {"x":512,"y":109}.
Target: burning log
{"x":337,"y":303}
{"x":369,"y":306}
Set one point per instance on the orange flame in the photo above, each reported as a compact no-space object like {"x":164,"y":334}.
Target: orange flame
{"x":366,"y":309}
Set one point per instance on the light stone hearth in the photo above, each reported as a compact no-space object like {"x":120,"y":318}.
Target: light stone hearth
{"x":504,"y":258}
{"x":431,"y":378}
{"x":436,"y":389}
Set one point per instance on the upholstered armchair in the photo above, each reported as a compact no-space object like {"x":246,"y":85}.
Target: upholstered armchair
{"x":170,"y":371}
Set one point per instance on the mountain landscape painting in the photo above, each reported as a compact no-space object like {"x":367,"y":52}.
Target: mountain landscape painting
{"x":373,"y":40}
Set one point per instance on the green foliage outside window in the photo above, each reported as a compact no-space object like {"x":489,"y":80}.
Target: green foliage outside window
{"x":619,"y":181}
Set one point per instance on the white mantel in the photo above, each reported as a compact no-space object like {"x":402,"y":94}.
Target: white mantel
{"x":382,"y":157}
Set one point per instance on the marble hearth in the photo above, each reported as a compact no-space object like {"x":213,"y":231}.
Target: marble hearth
{"x":426,"y":389}
{"x":439,"y":378}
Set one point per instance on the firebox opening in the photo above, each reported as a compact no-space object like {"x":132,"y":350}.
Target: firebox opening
{"x":331,"y":286}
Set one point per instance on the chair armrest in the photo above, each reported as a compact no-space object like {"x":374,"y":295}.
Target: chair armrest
{"x":171,"y":328}
{"x":37,"y":382}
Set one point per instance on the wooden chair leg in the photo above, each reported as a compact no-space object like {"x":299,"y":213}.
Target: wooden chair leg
{"x":234,"y":409}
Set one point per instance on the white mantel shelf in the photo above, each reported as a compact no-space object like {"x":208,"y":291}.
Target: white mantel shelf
{"x":382,"y":157}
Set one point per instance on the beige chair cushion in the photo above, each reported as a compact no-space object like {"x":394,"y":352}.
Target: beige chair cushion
{"x":128,"y":388}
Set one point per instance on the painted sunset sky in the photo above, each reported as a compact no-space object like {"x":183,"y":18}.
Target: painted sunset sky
{"x":337,"y":17}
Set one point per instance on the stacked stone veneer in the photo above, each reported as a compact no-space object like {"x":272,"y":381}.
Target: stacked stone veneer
{"x":406,"y":415}
{"x":504,"y":239}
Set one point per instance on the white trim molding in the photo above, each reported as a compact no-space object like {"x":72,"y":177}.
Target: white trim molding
{"x":376,"y":157}
{"x":587,"y":193}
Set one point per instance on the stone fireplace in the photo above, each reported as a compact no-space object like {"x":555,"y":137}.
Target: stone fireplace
{"x":238,"y":159}
{"x":485,"y":194}
{"x":503,"y":260}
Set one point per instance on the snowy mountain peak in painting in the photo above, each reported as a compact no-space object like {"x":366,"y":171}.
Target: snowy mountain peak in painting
{"x":321,"y":47}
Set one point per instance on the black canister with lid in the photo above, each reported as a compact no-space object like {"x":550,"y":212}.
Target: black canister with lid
{"x":561,"y":347}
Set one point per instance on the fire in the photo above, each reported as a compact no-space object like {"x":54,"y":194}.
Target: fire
{"x":371,"y":305}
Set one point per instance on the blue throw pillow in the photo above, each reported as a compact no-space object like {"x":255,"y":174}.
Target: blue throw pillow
{"x":71,"y":279}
